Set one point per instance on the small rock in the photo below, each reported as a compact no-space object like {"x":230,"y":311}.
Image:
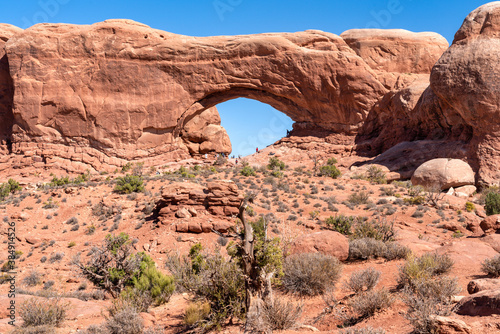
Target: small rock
{"x":195,"y":227}
{"x":467,"y":190}
{"x":222,"y":226}
{"x":183,"y":213}
{"x":193,"y":212}
{"x":483,"y":284}
{"x":182,"y":227}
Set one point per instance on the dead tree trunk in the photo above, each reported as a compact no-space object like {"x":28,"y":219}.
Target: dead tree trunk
{"x":257,"y":285}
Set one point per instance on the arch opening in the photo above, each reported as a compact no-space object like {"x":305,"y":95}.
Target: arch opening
{"x":251,"y":124}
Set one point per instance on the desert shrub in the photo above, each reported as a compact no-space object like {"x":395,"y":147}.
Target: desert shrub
{"x":426,"y":298}
{"x":10,"y":187}
{"x":33,"y":278}
{"x":365,"y":330}
{"x":152,"y":282}
{"x":340,"y":223}
{"x":376,"y":174}
{"x":126,"y":320}
{"x":469,"y":207}
{"x":366,"y":248}
{"x":329,"y":170}
{"x":367,"y":303}
{"x":363,"y":280}
{"x":492,"y":203}
{"x":280,"y":314}
{"x":115,"y":268}
{"x":40,"y":312}
{"x":377,"y":229}
{"x":491,"y":267}
{"x":275,"y":163}
{"x":211,"y":278}
{"x":196,"y":312}
{"x":424,"y":267}
{"x":129,"y":184}
{"x":247,"y":171}
{"x":56,"y":257}
{"x":311,"y":274}
{"x":358,"y":198}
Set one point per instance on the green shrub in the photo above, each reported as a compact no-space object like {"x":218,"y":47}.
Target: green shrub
{"x":329,"y":170}
{"x":10,"y":187}
{"x":129,"y":184}
{"x":423,"y":267}
{"x":492,"y":203}
{"x":340,"y":223}
{"x":311,"y":274}
{"x":151,"y":281}
{"x":247,"y":171}
{"x":491,"y":267}
{"x":275,"y":163}
{"x":331,"y":161}
{"x":40,"y":312}
{"x":115,"y":268}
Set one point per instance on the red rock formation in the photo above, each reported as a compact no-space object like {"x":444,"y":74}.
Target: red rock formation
{"x":186,"y":199}
{"x":124,"y":91}
{"x":6,"y":91}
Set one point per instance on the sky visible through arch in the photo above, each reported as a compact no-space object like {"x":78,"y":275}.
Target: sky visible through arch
{"x":249,"y":123}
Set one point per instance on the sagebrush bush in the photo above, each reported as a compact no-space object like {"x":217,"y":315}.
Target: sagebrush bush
{"x":426,"y":298}
{"x":275,"y":163}
{"x":492,"y":203}
{"x":358,"y":198}
{"x":311,"y":274}
{"x":126,"y":320}
{"x":129,"y":184}
{"x":247,"y":171}
{"x":41,"y":312}
{"x":375,"y":229}
{"x":423,"y":267}
{"x":366,"y":248}
{"x":33,"y":278}
{"x":491,"y":267}
{"x":376,"y":174}
{"x":363,"y":280}
{"x":367,"y":303}
{"x":280,"y":314}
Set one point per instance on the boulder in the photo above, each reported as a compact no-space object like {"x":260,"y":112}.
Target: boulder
{"x":443,"y":174}
{"x":484,"y":303}
{"x":325,"y":242}
{"x":483,"y":284}
{"x":490,"y":224}
{"x":447,"y":325}
{"x":465,"y":190}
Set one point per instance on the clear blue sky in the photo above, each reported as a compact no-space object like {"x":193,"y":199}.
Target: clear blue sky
{"x":249,"y":123}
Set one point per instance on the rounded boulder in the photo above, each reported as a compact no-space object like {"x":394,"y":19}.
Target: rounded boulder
{"x":443,"y":174}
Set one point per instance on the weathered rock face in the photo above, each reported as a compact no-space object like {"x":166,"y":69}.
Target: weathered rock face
{"x":484,"y":303}
{"x":443,"y":174}
{"x":461,"y":105}
{"x":399,"y":57}
{"x":186,"y":199}
{"x":125,"y":91}
{"x":6,"y":89}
